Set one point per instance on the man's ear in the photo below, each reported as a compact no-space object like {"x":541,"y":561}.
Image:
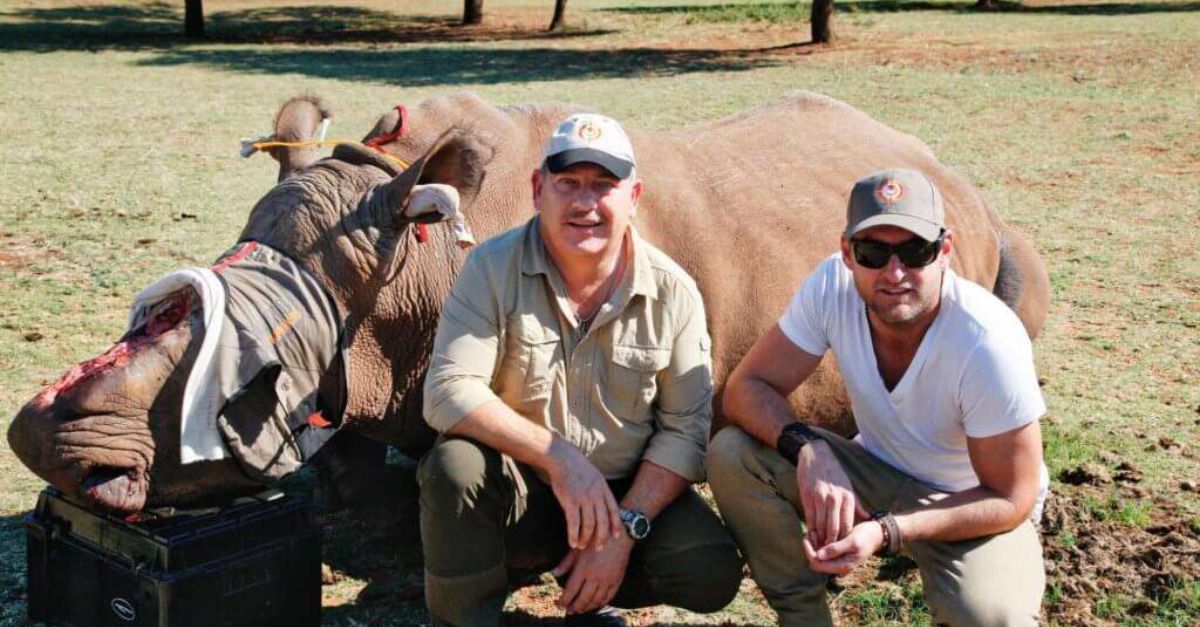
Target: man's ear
{"x":536,"y":182}
{"x":847,"y":256}
{"x":947,"y":248}
{"x":634,"y":195}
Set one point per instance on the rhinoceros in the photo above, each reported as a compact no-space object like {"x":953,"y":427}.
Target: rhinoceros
{"x":748,"y":205}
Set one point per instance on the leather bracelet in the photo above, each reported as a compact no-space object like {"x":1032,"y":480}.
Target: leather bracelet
{"x":892,"y":541}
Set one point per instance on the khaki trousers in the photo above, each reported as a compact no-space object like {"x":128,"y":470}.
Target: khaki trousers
{"x":995,"y":580}
{"x":488,"y":522}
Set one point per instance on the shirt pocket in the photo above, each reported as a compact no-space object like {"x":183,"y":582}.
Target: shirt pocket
{"x":531,"y":351}
{"x":633,"y":380}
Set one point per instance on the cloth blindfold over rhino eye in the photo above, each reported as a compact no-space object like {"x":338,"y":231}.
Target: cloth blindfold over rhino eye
{"x":281,"y":364}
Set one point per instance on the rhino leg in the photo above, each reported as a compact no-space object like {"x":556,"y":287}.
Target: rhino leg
{"x":352,"y":471}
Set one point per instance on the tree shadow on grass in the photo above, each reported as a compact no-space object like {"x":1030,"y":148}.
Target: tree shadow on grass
{"x":428,"y":67}
{"x":790,"y":11}
{"x":161,"y":25}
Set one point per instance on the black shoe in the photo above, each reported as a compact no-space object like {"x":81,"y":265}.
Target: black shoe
{"x":607,"y":616}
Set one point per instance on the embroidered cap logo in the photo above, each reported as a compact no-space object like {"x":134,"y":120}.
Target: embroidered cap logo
{"x":589,"y":131}
{"x":890,"y":192}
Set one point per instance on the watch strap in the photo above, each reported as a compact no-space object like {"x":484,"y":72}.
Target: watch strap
{"x":792,"y":439}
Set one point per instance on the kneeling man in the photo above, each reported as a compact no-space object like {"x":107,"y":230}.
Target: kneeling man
{"x":571,"y":380}
{"x":947,"y":464}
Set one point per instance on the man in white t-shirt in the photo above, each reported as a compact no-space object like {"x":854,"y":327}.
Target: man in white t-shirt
{"x":948,"y":456}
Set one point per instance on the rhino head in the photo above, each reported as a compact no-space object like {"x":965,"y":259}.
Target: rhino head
{"x":108,"y":431}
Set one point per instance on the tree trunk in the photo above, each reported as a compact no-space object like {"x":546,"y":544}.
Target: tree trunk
{"x":560,"y":7}
{"x":193,"y":18}
{"x":472,"y":11}
{"x":822,"y":21}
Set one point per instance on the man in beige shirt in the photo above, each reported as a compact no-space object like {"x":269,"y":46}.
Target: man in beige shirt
{"x":571,"y":380}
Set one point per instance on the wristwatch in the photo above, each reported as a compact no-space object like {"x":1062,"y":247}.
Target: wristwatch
{"x":792,"y":439}
{"x":635,"y":523}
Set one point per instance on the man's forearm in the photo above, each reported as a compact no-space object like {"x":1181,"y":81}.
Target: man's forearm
{"x":1008,"y":466}
{"x":758,"y":409}
{"x":968,"y":514}
{"x":653,"y":489}
{"x":499,"y":427}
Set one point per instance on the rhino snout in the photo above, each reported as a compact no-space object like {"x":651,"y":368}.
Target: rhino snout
{"x":89,"y":433}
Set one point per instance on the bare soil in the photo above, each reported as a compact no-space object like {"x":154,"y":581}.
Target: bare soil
{"x":1088,"y":557}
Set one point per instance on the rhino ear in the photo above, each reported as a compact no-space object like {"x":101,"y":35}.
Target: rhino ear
{"x":300,"y":119}
{"x":460,"y":159}
{"x":457,"y":159}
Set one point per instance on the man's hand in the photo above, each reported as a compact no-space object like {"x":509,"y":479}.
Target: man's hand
{"x":843,"y":556}
{"x":593,"y":517}
{"x":830,"y":505}
{"x":595,"y":575}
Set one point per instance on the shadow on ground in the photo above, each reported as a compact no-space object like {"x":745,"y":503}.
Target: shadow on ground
{"x":776,"y":11}
{"x":429,"y":67}
{"x":12,"y":569}
{"x":161,"y":25}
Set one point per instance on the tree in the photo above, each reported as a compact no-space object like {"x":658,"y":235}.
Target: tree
{"x":472,"y":11}
{"x":193,"y":18}
{"x":822,"y":21}
{"x":560,"y":7}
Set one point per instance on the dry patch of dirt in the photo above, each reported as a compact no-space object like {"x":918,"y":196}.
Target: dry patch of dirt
{"x":1090,"y":556}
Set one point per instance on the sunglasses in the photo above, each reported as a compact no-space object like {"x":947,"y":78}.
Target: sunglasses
{"x":914,"y":253}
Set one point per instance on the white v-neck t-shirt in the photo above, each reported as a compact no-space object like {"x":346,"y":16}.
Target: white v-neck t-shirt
{"x":973,"y":375}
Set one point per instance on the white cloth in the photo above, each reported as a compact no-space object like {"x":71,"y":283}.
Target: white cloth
{"x":199,"y":438}
{"x":973,"y":375}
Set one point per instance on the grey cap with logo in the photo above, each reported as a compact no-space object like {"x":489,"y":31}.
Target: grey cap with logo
{"x":590,"y":138}
{"x":896,"y":197}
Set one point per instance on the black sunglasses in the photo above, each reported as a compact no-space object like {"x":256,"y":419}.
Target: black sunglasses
{"x":914,"y":253}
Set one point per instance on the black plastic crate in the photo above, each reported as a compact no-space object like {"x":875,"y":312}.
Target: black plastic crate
{"x":254,"y":562}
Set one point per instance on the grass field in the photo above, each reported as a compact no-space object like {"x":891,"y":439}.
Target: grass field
{"x":1078,"y":121}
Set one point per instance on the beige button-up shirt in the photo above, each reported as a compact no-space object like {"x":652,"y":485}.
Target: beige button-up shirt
{"x":637,"y":385}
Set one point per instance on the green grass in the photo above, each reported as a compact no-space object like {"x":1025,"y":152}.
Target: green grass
{"x":1112,"y":507}
{"x":117,"y":164}
{"x":1181,"y":603}
{"x":890,"y":603}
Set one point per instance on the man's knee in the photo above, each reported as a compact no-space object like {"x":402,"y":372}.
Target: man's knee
{"x":723,"y":568}
{"x":984,"y":608}
{"x":451,"y":475}
{"x":701,"y":579}
{"x":729,"y":454}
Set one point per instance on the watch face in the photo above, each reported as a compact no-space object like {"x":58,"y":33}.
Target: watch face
{"x":640,"y":528}
{"x":636,"y":524}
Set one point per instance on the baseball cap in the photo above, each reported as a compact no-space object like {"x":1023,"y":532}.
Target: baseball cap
{"x":896,"y":197}
{"x":590,"y":138}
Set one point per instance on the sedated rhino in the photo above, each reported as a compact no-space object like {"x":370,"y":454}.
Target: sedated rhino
{"x":748,"y":204}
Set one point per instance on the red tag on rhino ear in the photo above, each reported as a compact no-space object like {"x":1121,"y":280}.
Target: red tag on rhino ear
{"x":400,"y":130}
{"x":317,"y":420}
{"x":422,"y":233}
